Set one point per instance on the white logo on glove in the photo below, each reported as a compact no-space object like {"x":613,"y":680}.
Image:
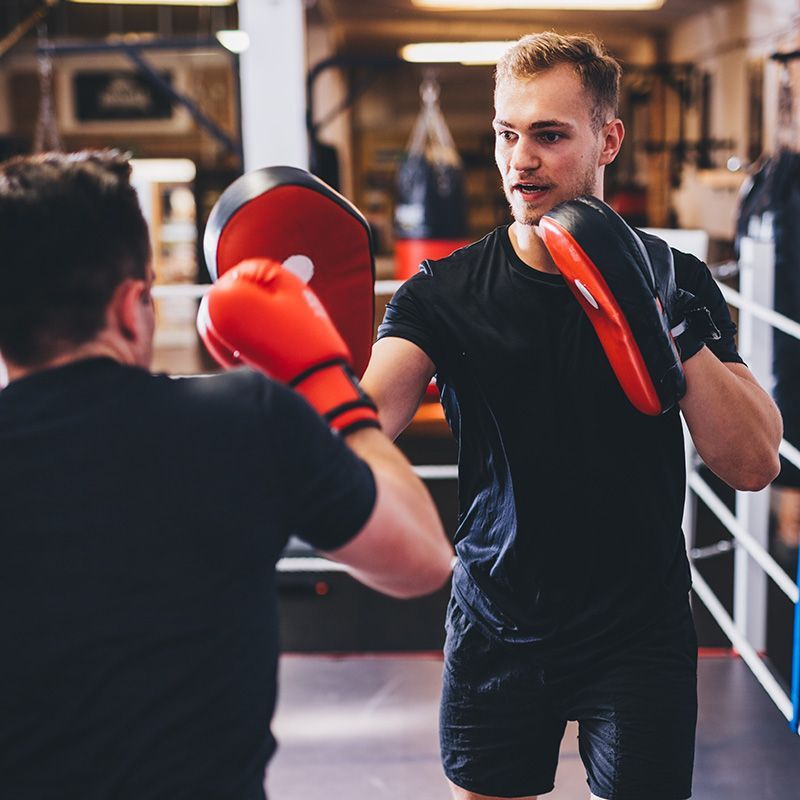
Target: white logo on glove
{"x":301,"y":266}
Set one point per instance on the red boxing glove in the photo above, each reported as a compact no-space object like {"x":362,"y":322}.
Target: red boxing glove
{"x":262,"y":315}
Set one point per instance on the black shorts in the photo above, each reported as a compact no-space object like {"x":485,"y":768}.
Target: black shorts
{"x":504,"y":712}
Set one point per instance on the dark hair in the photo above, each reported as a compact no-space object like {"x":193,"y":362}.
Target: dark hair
{"x":71,"y":231}
{"x":599,"y":72}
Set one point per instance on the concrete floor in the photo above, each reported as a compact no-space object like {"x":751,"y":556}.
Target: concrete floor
{"x":360,"y":727}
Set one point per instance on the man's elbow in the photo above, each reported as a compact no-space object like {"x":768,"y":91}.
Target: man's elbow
{"x":426,"y":570}
{"x":760,"y":479}
{"x":754,"y":475}
{"x":424,"y":582}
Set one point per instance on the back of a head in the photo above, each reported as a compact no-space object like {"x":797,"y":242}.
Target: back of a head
{"x":71,"y":230}
{"x":599,"y":73}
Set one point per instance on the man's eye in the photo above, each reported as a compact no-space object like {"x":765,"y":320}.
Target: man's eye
{"x":551,"y":137}
{"x":506,"y":135}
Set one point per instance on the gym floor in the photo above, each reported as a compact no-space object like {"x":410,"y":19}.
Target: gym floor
{"x":361,"y":727}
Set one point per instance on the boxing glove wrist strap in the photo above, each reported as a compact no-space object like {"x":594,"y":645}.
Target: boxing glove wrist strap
{"x":334,"y":391}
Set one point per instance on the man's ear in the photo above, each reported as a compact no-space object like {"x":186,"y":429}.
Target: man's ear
{"x":125,"y":309}
{"x":613,"y":133}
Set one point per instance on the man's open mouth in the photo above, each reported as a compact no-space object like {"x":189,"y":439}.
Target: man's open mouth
{"x":530,"y":188}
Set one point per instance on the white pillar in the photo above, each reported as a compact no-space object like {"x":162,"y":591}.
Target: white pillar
{"x":273,"y":71}
{"x":756,"y":282}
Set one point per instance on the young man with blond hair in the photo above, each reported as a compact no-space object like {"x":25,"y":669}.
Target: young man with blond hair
{"x":570,"y":596}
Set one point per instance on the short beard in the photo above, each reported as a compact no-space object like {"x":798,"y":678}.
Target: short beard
{"x":585,"y":186}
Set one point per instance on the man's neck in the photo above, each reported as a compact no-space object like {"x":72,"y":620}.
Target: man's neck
{"x":94,"y":349}
{"x":530,"y":248}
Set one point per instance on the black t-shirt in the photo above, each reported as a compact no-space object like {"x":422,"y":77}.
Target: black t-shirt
{"x":141,"y":521}
{"x":570,"y":500}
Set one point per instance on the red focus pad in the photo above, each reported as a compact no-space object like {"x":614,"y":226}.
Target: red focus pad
{"x":290,"y":216}
{"x":262,"y":315}
{"x":609,"y":271}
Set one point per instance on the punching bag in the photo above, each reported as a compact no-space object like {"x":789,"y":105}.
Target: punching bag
{"x":430,"y":219}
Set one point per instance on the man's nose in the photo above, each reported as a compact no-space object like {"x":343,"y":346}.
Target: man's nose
{"x":525,"y":156}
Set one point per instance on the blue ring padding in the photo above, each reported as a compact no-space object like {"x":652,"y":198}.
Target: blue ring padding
{"x":795,"y":723}
{"x":255,"y":183}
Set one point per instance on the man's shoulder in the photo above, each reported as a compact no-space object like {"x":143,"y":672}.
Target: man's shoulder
{"x":235,"y":391}
{"x":238,"y":406}
{"x":689,"y":269}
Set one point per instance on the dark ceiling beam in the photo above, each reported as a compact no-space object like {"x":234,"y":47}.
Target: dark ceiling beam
{"x":19,"y":31}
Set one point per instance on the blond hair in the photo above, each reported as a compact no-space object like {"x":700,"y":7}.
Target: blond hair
{"x":599,"y":73}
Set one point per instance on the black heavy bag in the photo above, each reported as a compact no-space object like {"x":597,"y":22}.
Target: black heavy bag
{"x":430,"y":218}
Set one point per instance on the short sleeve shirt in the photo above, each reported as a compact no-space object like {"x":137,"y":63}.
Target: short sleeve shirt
{"x":142,"y":520}
{"x":570,"y":500}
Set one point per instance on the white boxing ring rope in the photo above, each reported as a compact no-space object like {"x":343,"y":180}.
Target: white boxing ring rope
{"x":742,"y":646}
{"x":734,"y":298}
{"x":167,"y":291}
{"x":756,"y":550}
{"x":789,"y":707}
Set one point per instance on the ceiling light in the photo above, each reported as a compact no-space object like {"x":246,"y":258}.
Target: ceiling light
{"x":552,"y":5}
{"x":235,"y":41}
{"x":454,"y":52}
{"x":158,"y":2}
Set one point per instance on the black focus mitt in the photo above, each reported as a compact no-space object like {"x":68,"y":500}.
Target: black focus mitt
{"x":625,"y":282}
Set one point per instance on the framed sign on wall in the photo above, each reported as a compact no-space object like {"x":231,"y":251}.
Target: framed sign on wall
{"x":120,"y":96}
{"x":110,"y":95}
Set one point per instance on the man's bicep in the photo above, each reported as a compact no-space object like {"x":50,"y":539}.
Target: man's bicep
{"x":326,"y":492}
{"x":398,"y":374}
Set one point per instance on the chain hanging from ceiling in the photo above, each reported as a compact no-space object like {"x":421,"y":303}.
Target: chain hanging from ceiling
{"x":46,"y":135}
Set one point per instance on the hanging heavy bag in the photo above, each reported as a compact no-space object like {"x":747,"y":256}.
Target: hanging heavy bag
{"x":430,"y":218}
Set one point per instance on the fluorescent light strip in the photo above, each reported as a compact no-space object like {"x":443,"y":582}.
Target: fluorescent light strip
{"x":544,"y":5}
{"x":157,"y":2}
{"x":454,"y":52}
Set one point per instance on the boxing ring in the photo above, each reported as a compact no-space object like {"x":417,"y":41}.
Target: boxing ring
{"x":749,"y":523}
{"x":365,"y":725}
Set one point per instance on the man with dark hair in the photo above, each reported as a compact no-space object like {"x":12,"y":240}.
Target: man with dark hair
{"x":570,"y":595}
{"x":72,"y":232}
{"x":143,"y":516}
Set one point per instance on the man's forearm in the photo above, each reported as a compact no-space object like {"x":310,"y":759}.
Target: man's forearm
{"x":735,"y":426}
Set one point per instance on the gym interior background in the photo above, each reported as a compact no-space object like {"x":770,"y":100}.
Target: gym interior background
{"x":710,"y":99}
